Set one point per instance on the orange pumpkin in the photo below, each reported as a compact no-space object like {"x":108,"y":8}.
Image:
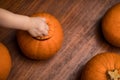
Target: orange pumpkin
{"x":104,"y":66}
{"x":5,"y":62}
{"x":42,"y":47}
{"x":111,"y":25}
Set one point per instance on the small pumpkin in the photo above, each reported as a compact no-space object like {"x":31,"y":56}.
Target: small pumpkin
{"x":104,"y":66}
{"x":111,"y":25}
{"x":42,"y":47}
{"x":5,"y":62}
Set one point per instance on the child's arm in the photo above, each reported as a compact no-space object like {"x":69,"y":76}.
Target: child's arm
{"x":34,"y":25}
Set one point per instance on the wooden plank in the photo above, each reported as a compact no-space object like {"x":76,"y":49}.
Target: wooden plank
{"x":81,"y":22}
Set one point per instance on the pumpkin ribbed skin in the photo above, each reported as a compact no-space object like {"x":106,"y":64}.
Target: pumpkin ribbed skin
{"x":99,"y":65}
{"x":111,"y":25}
{"x":5,"y":62}
{"x":46,"y":48}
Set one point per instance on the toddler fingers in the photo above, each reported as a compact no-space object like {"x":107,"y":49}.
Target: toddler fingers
{"x":42,"y":28}
{"x":47,"y":27}
{"x":42,"y":32}
{"x":45,"y":33}
{"x":43,"y":19}
{"x":33,"y":34}
{"x":39,"y":33}
{"x":45,"y":24}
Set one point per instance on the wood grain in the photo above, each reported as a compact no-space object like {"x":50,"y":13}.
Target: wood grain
{"x":81,"y":22}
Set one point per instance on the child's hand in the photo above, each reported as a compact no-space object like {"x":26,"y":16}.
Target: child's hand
{"x":38,"y":27}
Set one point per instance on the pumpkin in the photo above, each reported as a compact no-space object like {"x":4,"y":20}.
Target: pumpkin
{"x":42,"y":47}
{"x":111,"y":25}
{"x":5,"y":62}
{"x":104,"y":66}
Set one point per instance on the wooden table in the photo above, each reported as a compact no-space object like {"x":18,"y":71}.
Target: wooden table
{"x":83,"y":38}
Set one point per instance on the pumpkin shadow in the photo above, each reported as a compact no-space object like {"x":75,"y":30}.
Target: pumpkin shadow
{"x":79,"y":73}
{"x":99,"y":34}
{"x":100,"y":37}
{"x":101,"y":41}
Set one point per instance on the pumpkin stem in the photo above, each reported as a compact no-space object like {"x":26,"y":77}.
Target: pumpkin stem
{"x":113,"y":75}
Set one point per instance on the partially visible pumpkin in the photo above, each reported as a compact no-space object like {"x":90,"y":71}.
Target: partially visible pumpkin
{"x":111,"y":25}
{"x":104,"y":66}
{"x":5,"y":62}
{"x":42,"y":47}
